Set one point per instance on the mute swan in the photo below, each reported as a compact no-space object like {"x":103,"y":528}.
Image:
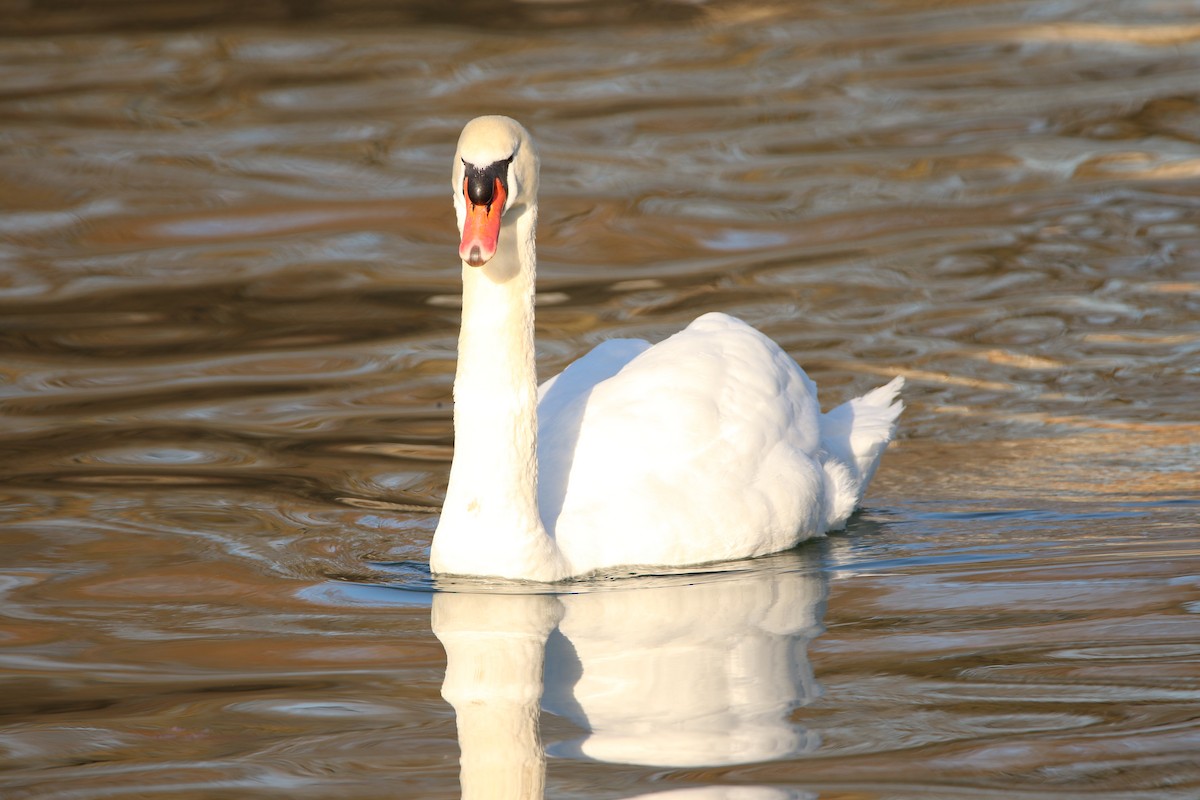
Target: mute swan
{"x":706,"y":447}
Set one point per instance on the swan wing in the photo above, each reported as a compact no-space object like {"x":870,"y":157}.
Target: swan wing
{"x":605,"y":360}
{"x":704,"y":447}
{"x":562,"y":401}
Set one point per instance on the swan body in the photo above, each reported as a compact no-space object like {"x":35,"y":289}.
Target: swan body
{"x":705,"y":447}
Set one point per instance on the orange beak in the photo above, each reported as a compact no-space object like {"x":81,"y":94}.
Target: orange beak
{"x":481,"y":228}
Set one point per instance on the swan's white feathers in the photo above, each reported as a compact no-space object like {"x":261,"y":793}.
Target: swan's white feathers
{"x":562,"y":401}
{"x":707,"y":446}
{"x":858,"y":431}
{"x":701,"y":448}
{"x":486,"y":140}
{"x":601,"y":362}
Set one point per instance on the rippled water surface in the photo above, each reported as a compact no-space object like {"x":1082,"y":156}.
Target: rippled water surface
{"x":228,"y":314}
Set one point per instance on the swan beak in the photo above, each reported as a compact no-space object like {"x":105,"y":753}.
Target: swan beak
{"x":481,"y":229}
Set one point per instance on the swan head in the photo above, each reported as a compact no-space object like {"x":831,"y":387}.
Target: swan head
{"x":495,"y":174}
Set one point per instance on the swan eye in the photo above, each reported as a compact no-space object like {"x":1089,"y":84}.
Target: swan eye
{"x":481,"y":181}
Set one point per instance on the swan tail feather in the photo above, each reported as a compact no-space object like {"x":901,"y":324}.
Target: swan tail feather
{"x":854,"y":436}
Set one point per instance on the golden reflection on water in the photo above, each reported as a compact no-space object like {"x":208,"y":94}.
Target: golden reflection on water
{"x":228,"y":310}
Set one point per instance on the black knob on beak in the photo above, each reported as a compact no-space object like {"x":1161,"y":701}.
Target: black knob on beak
{"x":481,"y":181}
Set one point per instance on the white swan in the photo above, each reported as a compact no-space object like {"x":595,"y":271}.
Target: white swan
{"x":708,"y":446}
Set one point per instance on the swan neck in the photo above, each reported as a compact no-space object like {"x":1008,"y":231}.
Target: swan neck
{"x":490,"y":523}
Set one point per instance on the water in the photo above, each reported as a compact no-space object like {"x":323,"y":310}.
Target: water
{"x":228,"y":317}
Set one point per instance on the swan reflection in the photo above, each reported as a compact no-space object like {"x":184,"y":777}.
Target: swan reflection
{"x":655,"y":672}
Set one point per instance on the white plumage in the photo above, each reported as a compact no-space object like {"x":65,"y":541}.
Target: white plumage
{"x":707,"y":446}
